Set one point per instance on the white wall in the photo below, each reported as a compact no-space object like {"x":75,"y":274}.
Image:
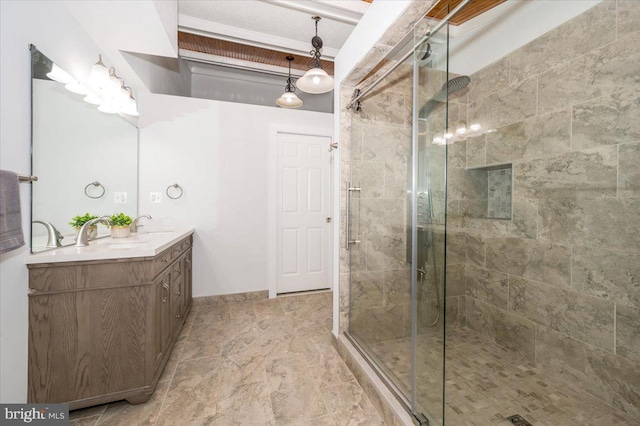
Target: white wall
{"x":141,"y":26}
{"x":49,"y":26}
{"x":218,"y":83}
{"x":219,"y":153}
{"x":169,"y":76}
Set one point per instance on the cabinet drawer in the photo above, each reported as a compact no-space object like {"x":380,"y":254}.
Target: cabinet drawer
{"x":162,"y":261}
{"x":181,"y":247}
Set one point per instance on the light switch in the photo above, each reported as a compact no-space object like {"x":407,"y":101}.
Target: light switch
{"x":120,"y":197}
{"x":155,"y":197}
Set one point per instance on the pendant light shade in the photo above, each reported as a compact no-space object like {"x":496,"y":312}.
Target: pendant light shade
{"x":316,"y":80}
{"x":289,"y":99}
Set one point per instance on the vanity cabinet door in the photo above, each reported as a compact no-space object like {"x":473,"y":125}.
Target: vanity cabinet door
{"x":186,"y":299}
{"x":163,"y":310}
{"x":177,"y":274}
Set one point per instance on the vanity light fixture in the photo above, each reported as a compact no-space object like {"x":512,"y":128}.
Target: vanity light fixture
{"x":316,"y":80}
{"x":289,"y":99}
{"x":103,"y":88}
{"x":77,"y":88}
{"x":59,"y":75}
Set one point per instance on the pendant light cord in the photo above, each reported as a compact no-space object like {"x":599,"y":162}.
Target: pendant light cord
{"x":290,"y":86}
{"x":317,"y":43}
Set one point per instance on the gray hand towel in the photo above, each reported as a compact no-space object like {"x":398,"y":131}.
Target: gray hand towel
{"x":11,"y":236}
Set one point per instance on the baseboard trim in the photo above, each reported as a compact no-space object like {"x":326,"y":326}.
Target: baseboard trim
{"x":223,"y":299}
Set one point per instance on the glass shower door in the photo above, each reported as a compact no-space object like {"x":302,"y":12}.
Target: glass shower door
{"x":431,"y":134}
{"x":380,"y":207}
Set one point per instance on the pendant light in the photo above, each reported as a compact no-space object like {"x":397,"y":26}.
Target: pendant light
{"x":316,"y":80}
{"x":289,"y":99}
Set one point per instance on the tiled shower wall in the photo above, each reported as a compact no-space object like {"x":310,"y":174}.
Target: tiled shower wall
{"x":560,"y":282}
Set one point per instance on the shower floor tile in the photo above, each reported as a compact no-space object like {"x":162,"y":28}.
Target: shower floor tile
{"x":486,"y":383}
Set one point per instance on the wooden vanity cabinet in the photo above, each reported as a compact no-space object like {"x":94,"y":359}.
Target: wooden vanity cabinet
{"x":103,"y":330}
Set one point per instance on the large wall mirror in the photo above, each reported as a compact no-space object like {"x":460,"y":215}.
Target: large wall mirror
{"x":86,"y":160}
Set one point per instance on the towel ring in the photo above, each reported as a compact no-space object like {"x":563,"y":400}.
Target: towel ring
{"x":97,"y":184}
{"x":175,"y":185}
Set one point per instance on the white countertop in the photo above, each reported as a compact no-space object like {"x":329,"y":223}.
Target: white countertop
{"x":137,"y":245}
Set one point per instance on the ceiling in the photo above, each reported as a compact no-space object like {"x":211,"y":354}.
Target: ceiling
{"x":271,"y":29}
{"x":257,"y":35}
{"x":470,"y":11}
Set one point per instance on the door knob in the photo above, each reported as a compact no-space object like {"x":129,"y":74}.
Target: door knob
{"x":328,"y":220}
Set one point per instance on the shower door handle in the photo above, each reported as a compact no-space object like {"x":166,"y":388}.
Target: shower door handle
{"x":350,"y":189}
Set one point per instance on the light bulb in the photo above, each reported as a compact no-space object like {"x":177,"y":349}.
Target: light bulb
{"x":59,"y":75}
{"x":315,"y":81}
{"x":75,"y":87}
{"x":448,"y":135}
{"x":491,"y":131}
{"x":461,"y":130}
{"x":112,"y":89}
{"x":289,"y":100}
{"x":99,"y":74}
{"x":475,"y":127}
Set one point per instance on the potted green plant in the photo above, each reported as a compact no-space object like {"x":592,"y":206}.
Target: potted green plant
{"x":120,"y":225}
{"x":78,"y":221}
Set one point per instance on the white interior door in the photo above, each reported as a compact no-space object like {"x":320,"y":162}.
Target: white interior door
{"x":304,"y":206}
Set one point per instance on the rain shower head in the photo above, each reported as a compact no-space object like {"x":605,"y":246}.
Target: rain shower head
{"x":454,"y":85}
{"x":457,"y":83}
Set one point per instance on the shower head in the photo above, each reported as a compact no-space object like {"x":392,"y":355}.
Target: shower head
{"x":457,"y":83}
{"x":454,"y":85}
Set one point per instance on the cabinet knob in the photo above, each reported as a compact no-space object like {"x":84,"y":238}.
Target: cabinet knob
{"x":178,"y":316}
{"x":179,"y":293}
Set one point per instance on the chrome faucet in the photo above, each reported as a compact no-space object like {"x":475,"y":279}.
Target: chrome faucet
{"x":82,"y":239}
{"x":53,"y":235}
{"x":134,"y":223}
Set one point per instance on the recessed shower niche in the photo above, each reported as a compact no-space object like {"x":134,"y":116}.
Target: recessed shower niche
{"x":495,"y":185}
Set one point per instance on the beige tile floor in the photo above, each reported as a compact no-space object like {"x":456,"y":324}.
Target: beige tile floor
{"x":485,"y":383}
{"x":256,"y":363}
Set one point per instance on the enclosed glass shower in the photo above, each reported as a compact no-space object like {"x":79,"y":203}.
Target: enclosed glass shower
{"x":494,"y":221}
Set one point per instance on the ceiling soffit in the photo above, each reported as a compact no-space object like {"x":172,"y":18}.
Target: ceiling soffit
{"x":241,"y":53}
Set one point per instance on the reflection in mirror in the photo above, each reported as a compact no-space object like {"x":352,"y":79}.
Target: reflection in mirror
{"x":86,"y":160}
